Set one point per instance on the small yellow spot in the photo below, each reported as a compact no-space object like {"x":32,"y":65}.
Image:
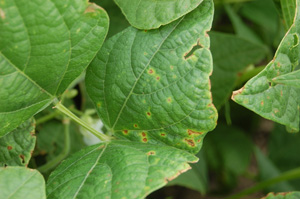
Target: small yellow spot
{"x":174,"y":76}
{"x":99,"y":104}
{"x":169,"y":99}
{"x":172,"y":67}
{"x":2,"y":13}
{"x":145,"y":53}
{"x":78,"y":30}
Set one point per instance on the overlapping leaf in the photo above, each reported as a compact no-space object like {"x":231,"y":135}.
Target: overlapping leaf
{"x":144,"y":14}
{"x":20,"y":182}
{"x":231,"y":54}
{"x":17,"y":146}
{"x":44,"y":46}
{"x":118,"y":169}
{"x":277,"y":102}
{"x":153,"y":86}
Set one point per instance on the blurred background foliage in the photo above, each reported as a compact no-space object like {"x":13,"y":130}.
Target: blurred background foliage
{"x":244,"y":149}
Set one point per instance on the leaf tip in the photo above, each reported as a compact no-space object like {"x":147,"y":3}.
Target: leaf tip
{"x":237,"y":92}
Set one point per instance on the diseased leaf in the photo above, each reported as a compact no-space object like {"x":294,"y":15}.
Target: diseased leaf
{"x":20,"y":182}
{"x":144,"y":14}
{"x":231,"y":54}
{"x":276,"y":102}
{"x":121,"y":169}
{"x":287,"y":195}
{"x":44,"y":46}
{"x":153,"y":86}
{"x":17,"y":146}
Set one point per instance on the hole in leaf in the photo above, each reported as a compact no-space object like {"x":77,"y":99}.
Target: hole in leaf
{"x":191,"y":52}
{"x":22,"y":158}
{"x":296,"y":40}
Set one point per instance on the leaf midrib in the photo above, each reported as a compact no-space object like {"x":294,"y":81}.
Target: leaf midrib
{"x":135,"y":83}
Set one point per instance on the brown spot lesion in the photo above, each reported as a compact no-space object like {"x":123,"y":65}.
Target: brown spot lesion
{"x":145,"y":140}
{"x":2,"y":14}
{"x":151,"y":153}
{"x":92,"y":7}
{"x":144,"y":134}
{"x":190,"y":142}
{"x":125,"y":132}
{"x":191,"y":132}
{"x":9,"y":148}
{"x":150,"y":71}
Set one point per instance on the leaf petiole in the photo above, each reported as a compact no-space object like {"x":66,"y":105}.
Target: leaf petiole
{"x":82,"y":123}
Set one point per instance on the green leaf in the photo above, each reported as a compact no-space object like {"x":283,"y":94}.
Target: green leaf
{"x":231,"y":54}
{"x":224,"y":154}
{"x":118,"y":169}
{"x":268,"y":170}
{"x":20,"y":182}
{"x":289,"y":79}
{"x":267,"y":21}
{"x":44,"y":46}
{"x":288,"y":8}
{"x":287,"y":158}
{"x":195,"y":178}
{"x":150,"y":87}
{"x":241,"y":29}
{"x":144,"y":14}
{"x":17,"y":146}
{"x":116,"y":18}
{"x":50,"y":139}
{"x":287,"y":195}
{"x":276,"y":102}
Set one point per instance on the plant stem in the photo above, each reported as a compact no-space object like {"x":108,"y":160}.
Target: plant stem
{"x":47,"y":117}
{"x":53,"y":163}
{"x":227,"y":113}
{"x":67,"y":112}
{"x":289,"y":175}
